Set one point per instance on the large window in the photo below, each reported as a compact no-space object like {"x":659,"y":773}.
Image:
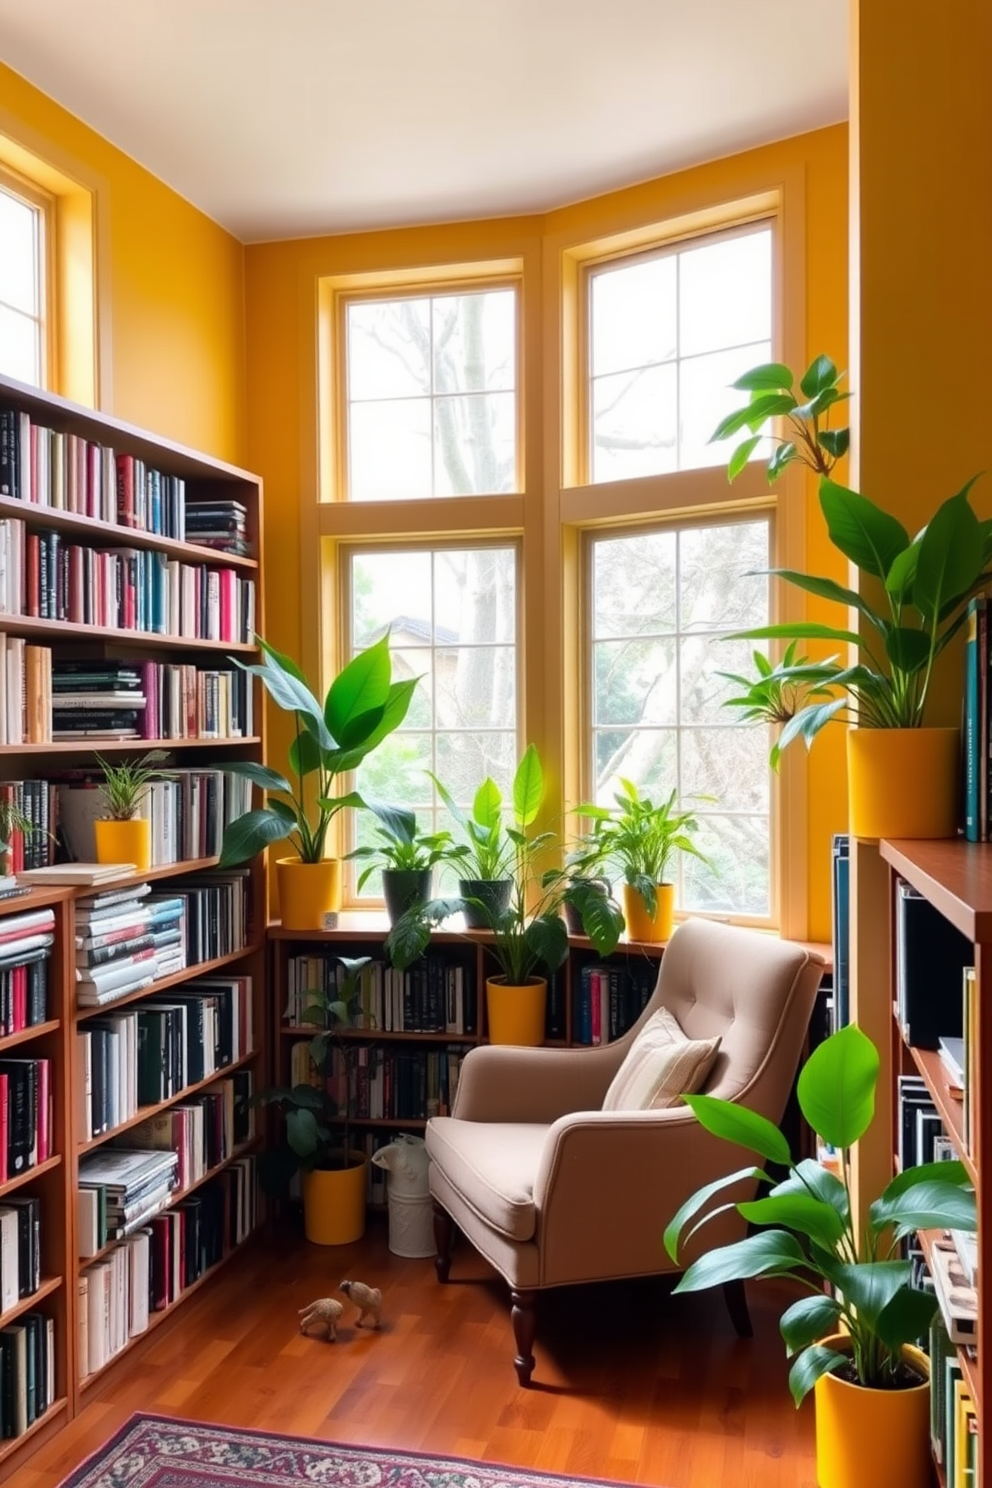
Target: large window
{"x":668,"y":333}
{"x":451,"y":614}
{"x":22,"y":286}
{"x":662,"y":603}
{"x":431,"y":395}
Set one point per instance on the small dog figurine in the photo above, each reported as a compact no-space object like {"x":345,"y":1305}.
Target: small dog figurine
{"x":324,"y":1313}
{"x":367,"y":1299}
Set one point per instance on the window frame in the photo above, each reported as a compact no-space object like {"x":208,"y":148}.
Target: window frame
{"x":671,"y":522}
{"x":44,"y":204}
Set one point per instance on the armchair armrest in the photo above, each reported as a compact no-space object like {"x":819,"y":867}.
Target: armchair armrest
{"x":502,"y":1082}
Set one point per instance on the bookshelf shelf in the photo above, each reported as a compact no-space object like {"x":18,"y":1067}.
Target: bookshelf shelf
{"x":931,"y":1068}
{"x":38,"y":1171}
{"x":969,"y":1365}
{"x":380,"y":1035}
{"x":108,"y":464}
{"x":144,"y":1112}
{"x":188,"y":973}
{"x":49,"y":1284}
{"x":25,"y":1035}
{"x":10,"y":1448}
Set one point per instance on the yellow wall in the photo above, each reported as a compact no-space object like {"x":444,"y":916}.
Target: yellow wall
{"x":281,"y":305}
{"x":171,"y":304}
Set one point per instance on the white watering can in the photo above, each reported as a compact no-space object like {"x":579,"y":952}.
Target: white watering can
{"x":411,"y":1228}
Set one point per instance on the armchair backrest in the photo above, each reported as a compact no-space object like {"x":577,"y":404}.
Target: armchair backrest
{"x":754,"y":990}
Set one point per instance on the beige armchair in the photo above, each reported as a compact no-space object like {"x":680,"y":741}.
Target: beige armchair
{"x":552,"y":1190}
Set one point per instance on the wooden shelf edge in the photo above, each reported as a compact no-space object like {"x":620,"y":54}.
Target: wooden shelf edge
{"x":188,"y":973}
{"x":28,"y":625}
{"x":156,"y":1319}
{"x":9,"y":1448}
{"x":931,"y":1067}
{"x":24,"y":1035}
{"x":120,"y":746}
{"x":145,"y":1112}
{"x":36,"y":1172}
{"x":49,"y":1284}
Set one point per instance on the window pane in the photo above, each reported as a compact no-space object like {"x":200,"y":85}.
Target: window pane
{"x":658,"y":693}
{"x":451,"y":616}
{"x":635,"y":423}
{"x":474,"y":445}
{"x":432,"y":396}
{"x":704,"y":311}
{"x":19,"y":254}
{"x":390,"y":449}
{"x":19,"y":346}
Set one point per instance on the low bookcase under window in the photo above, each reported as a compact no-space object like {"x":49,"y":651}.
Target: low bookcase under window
{"x":130,"y":584}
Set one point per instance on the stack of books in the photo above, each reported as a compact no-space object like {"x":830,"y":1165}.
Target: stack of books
{"x":97,"y":700}
{"x":25,"y":689}
{"x":27,"y":1372}
{"x":218,"y":524}
{"x":126,"y":939}
{"x":113,"y":1302}
{"x":121,"y":1188}
{"x":25,"y":945}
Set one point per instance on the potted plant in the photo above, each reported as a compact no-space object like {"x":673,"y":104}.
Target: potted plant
{"x":333,"y":1176}
{"x":529,"y":936}
{"x":487,"y":856}
{"x":639,"y":838}
{"x":121,"y":835}
{"x":912,"y":600}
{"x":405,"y":856}
{"x":853,"y":1343}
{"x":362,"y":706}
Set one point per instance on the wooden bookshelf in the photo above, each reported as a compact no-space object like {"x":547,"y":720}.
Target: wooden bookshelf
{"x":55,"y":1181}
{"x":144,"y":1112}
{"x":956,"y":877}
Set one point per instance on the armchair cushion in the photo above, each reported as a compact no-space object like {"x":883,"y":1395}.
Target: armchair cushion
{"x":493,"y":1166}
{"x":661,"y":1066}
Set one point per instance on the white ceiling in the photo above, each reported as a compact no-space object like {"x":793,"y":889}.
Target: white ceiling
{"x":288,"y":118}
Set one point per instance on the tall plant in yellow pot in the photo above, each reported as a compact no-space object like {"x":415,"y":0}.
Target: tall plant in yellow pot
{"x":122,"y":836}
{"x":912,"y":599}
{"x":640,"y":839}
{"x":362,"y":707}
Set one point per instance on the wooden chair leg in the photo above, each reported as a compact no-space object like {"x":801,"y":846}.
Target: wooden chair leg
{"x":444,"y":1234}
{"x":736,"y":1300}
{"x":524,"y":1318}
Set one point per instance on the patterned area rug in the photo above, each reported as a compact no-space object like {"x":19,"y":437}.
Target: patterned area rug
{"x":159,"y":1452}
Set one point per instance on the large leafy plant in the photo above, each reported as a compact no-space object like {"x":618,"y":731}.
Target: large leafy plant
{"x":362,"y":707}
{"x":400,"y":845}
{"x":916,"y":590}
{"x":530,"y":934}
{"x":813,"y":1238}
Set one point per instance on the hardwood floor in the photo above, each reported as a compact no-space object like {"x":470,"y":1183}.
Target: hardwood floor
{"x":630,"y":1383}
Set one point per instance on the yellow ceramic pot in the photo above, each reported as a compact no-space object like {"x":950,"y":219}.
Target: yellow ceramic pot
{"x":640,"y":925}
{"x":124,"y":842}
{"x":903,"y":782}
{"x":515,"y":1015}
{"x":334,"y":1203}
{"x":307,"y":892}
{"x":873,"y":1438}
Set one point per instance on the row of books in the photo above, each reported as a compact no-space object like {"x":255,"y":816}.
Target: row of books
{"x":976,"y":731}
{"x":148,"y":700}
{"x":45,"y":576}
{"x":156,"y":1263}
{"x":27,"y":1372}
{"x":23,"y":987}
{"x":953,"y":1418}
{"x":920,"y":1136}
{"x":155,"y":1051}
{"x":387,"y":1082}
{"x":609,"y":998}
{"x":25,"y":690}
{"x":126,"y":939}
{"x":20,"y":1249}
{"x":25,"y":1115}
{"x":125,"y":1186}
{"x":53,"y":468}
{"x":188,"y":812}
{"x":33,"y":802}
{"x":436,"y":995}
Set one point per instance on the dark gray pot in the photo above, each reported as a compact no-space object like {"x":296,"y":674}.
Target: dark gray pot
{"x":572,"y":917}
{"x":494,"y":894}
{"x":404,"y":887}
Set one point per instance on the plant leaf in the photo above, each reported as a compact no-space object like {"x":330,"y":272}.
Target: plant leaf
{"x":869,"y":1286}
{"x":528,"y":787}
{"x":360,"y":686}
{"x":769,"y":377}
{"x":810,"y":1176}
{"x":927,"y":1205}
{"x":862,"y":531}
{"x":820,"y":374}
{"x":905,"y":1317}
{"x":741,"y":455}
{"x":262,"y":775}
{"x":304,"y":754}
{"x":769,"y":1253}
{"x":547,"y":938}
{"x":735,"y":1123}
{"x":809,"y":1366}
{"x":801,"y":1212}
{"x":836,"y":442}
{"x":250,"y":833}
{"x":692,"y":1205}
{"x":808,"y":1320}
{"x":836,"y":1086}
{"x":487,"y":808}
{"x":908,"y":650}
{"x":950,"y":558}
{"x":301,"y":1132}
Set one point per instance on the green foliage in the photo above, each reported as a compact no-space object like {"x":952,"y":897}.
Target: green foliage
{"x":401,"y":846}
{"x":362,"y":707}
{"x":125,"y":785}
{"x":923,"y":582}
{"x":312,"y":1141}
{"x":815,"y":1240}
{"x":11,"y":820}
{"x":636,"y":837}
{"x":529,"y":935}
